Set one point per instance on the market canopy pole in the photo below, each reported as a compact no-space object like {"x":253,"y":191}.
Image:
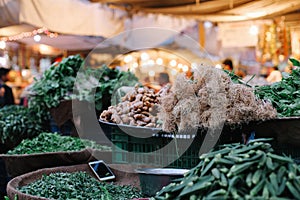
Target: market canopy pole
{"x":201,"y":34}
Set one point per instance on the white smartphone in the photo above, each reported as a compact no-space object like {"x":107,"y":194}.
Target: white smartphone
{"x":101,"y":170}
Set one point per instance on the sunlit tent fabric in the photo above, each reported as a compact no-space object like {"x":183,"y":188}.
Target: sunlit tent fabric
{"x":85,"y":18}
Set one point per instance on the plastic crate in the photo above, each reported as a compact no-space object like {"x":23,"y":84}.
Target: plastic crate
{"x":284,"y":130}
{"x":288,"y":150}
{"x":126,"y":145}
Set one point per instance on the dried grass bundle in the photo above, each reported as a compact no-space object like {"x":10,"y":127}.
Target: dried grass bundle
{"x":208,"y":100}
{"x":182,"y":84}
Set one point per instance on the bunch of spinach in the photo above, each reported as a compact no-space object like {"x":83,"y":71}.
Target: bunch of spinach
{"x":70,"y":79}
{"x":110,"y":81}
{"x":53,"y":142}
{"x":99,"y":85}
{"x":78,"y":185}
{"x":284,"y":95}
{"x":18,"y":122}
{"x":55,"y":84}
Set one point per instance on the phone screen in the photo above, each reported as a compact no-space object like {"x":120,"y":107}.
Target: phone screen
{"x":102,"y":170}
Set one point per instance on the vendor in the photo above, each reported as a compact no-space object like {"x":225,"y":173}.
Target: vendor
{"x":227,"y":64}
{"x":163,"y":79}
{"x":6,"y":94}
{"x":275,"y":75}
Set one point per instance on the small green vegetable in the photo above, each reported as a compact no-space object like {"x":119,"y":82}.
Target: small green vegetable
{"x":18,"y":122}
{"x":78,"y":185}
{"x":53,"y":142}
{"x":244,"y":173}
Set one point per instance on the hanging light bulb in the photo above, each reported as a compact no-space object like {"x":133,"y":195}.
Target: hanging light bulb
{"x":151,"y":73}
{"x":2,"y":44}
{"x":128,"y":58}
{"x":173,"y":63}
{"x":185,"y":68}
{"x":253,"y":30}
{"x":159,"y":61}
{"x":144,"y":56}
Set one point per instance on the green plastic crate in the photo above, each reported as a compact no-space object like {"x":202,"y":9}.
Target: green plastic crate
{"x":125,"y":143}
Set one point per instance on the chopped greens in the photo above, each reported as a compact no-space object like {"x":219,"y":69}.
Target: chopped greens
{"x":53,"y":142}
{"x":78,"y":185}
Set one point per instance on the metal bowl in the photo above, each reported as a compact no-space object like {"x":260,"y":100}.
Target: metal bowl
{"x":154,"y":179}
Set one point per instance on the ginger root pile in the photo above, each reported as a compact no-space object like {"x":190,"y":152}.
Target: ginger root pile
{"x":139,"y":107}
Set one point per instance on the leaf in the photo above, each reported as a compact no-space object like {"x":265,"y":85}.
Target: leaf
{"x":294,"y":61}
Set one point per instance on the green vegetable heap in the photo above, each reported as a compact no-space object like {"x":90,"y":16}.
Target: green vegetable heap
{"x":58,"y":84}
{"x":53,"y":142}
{"x":55,"y":83}
{"x":284,"y":95}
{"x":79,"y":185}
{"x":18,"y":122}
{"x":238,"y":172}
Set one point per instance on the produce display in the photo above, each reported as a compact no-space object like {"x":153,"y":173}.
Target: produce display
{"x":139,"y":107}
{"x":18,"y":122}
{"x":209,"y":99}
{"x":237,"y":171}
{"x":53,"y":142}
{"x":58,"y":83}
{"x":284,"y":95}
{"x":78,"y":185}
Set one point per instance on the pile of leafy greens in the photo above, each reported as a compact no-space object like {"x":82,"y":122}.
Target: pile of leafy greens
{"x":53,"y":142}
{"x":19,"y":122}
{"x":284,"y":95}
{"x":78,"y":185}
{"x":70,"y":79}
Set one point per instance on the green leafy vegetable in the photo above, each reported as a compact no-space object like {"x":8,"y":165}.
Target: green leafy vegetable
{"x":53,"y":142}
{"x":295,"y":62}
{"x":283,"y":95}
{"x":18,"y":122}
{"x":78,"y":185}
{"x":70,"y":79}
{"x":56,"y":83}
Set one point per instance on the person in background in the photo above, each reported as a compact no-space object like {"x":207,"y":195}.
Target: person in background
{"x":275,"y":75}
{"x":288,"y":69}
{"x":163,"y":79}
{"x":227,"y":63}
{"x":6,"y":94}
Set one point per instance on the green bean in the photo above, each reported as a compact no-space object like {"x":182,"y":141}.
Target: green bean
{"x":244,"y":172}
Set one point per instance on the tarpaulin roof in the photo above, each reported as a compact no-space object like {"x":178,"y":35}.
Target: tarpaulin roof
{"x":107,"y":18}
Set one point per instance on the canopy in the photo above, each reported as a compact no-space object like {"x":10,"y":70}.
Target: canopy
{"x":108,"y":18}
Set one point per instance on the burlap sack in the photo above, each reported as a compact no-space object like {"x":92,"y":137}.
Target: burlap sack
{"x":21,"y":164}
{"x":129,"y":177}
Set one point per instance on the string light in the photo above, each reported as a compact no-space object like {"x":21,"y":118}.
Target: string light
{"x":29,"y":34}
{"x":37,"y":38}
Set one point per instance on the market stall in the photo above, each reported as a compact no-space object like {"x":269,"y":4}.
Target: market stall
{"x":141,"y":89}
